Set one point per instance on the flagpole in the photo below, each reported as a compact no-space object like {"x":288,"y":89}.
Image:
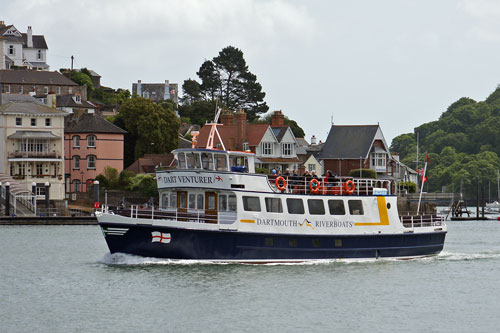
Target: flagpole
{"x":422,"y":187}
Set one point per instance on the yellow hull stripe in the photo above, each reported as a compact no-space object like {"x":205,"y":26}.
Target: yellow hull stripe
{"x":382,"y":212}
{"x":247,"y":221}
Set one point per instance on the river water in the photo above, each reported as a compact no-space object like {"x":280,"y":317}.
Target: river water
{"x":63,"y":279}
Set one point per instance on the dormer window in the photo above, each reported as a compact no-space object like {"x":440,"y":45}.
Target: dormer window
{"x":78,"y":99}
{"x":286,"y":149}
{"x":12,"y":50}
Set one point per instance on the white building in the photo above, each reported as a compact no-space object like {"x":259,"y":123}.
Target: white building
{"x":22,"y":49}
{"x":32,"y":144}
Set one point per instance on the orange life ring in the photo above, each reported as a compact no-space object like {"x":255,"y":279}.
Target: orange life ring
{"x":349,"y":187}
{"x":314,"y":186}
{"x":281,"y":187}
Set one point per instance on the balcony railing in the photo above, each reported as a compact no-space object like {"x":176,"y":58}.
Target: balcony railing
{"x":34,"y":154}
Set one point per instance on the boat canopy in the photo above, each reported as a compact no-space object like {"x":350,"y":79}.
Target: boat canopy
{"x":211,"y":159}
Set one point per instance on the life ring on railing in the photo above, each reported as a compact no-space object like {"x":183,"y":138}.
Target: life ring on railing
{"x":314,"y":186}
{"x":280,"y":183}
{"x":349,"y":187}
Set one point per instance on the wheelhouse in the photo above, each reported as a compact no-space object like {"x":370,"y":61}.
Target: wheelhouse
{"x":214,"y":160}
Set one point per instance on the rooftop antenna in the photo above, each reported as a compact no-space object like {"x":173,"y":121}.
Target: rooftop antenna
{"x":213,"y":130}
{"x":72,"y":58}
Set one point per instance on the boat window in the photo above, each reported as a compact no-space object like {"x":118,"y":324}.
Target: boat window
{"x":182,"y":161}
{"x":211,"y":202}
{"x":336,"y":207}
{"x":231,"y":201}
{"x":356,"y":207}
{"x":251,"y":204}
{"x":295,"y":206}
{"x":269,"y":241}
{"x":222,"y":202}
{"x":192,"y":201}
{"x":220,"y":162}
{"x":173,"y":200}
{"x":182,"y":200}
{"x":239,"y":163}
{"x":293,"y":242}
{"x":207,"y":161}
{"x":316,"y":242}
{"x":164,"y":200}
{"x":316,"y":206}
{"x":199,"y":201}
{"x":193,"y":160}
{"x":273,"y":205}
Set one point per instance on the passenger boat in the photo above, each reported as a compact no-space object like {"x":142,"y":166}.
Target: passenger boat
{"x":214,"y":207}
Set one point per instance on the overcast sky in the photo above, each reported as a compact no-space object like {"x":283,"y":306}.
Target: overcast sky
{"x":398,"y":63}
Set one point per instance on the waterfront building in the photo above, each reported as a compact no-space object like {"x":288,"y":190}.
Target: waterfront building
{"x":32,"y":144}
{"x":92,"y":143}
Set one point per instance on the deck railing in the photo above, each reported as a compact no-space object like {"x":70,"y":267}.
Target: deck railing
{"x":335,"y":186}
{"x":416,"y":221}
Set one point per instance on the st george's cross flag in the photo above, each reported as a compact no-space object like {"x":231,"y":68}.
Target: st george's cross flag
{"x":161,"y":237}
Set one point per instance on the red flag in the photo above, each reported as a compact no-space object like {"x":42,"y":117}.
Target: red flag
{"x":428,"y":159}
{"x":424,"y":179}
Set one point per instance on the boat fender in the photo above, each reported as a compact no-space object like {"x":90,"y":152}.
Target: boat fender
{"x":349,"y":187}
{"x":314,"y":186}
{"x":280,"y":183}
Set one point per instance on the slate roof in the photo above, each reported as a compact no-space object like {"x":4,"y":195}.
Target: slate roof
{"x":68,"y":101}
{"x":279,"y":132}
{"x":29,"y":108}
{"x":349,"y":141}
{"x":90,"y":123}
{"x":6,"y":98}
{"x":38,"y":41}
{"x":9,"y":76}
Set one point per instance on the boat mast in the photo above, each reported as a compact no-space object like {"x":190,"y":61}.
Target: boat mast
{"x":213,"y":131}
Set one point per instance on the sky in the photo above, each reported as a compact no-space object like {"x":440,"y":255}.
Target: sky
{"x":398,"y":63}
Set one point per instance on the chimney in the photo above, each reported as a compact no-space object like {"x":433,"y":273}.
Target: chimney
{"x":226,"y":118}
{"x":29,"y":38}
{"x":2,"y":24}
{"x":313,"y":139}
{"x":139,"y":88}
{"x":166,"y":94}
{"x":240,"y":120}
{"x":277,"y":119}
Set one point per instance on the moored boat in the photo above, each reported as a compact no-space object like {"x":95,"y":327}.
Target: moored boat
{"x":213,"y":206}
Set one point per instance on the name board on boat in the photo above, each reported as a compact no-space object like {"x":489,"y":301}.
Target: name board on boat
{"x":191,"y":179}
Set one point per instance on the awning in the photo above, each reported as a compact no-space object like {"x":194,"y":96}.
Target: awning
{"x":33,"y":135}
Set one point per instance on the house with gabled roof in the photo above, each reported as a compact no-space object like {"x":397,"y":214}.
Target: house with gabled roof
{"x":91,"y":144}
{"x":351,"y":147}
{"x":23,"y":49}
{"x":274,"y":145}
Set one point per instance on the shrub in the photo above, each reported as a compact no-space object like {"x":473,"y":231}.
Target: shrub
{"x":365,"y":173}
{"x":411,"y":187}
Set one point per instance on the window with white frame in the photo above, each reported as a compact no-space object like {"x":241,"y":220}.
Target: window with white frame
{"x":45,"y":90}
{"x":267,"y":148}
{"x":76,"y":141}
{"x":21,"y":90}
{"x":58,"y":90}
{"x":76,"y":162}
{"x":47,"y":122}
{"x":91,"y":139}
{"x":7,"y":88}
{"x":19,"y":121}
{"x":286,"y":149}
{"x":378,"y":160}
{"x":12,"y":50}
{"x":311,"y":167}
{"x":33,"y":121}
{"x":91,"y":162}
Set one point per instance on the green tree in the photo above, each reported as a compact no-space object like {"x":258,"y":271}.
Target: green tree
{"x":191,"y":92}
{"x":83,"y":79}
{"x":226,"y":78}
{"x":198,"y":112}
{"x":151,"y":128}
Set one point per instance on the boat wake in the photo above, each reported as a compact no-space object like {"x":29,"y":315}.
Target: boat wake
{"x":456,"y":256}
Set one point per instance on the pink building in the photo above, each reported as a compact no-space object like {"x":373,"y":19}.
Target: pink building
{"x":91,"y":143}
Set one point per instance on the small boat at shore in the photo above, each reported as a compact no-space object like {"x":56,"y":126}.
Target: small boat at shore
{"x":214,"y":207}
